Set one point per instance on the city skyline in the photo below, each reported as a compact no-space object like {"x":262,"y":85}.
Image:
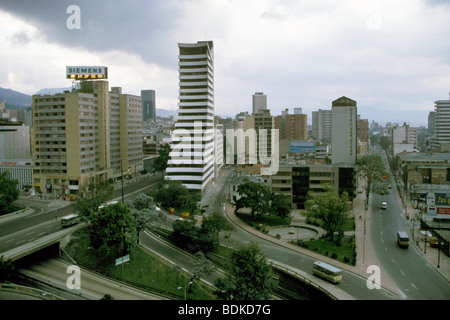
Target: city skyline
{"x":390,"y":57}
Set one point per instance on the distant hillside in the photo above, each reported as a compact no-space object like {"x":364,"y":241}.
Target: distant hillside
{"x":165,"y":112}
{"x":14,"y":99}
{"x":53,"y":90}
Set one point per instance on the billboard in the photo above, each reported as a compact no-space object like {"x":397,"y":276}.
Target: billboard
{"x":438,"y":205}
{"x":302,"y":146}
{"x":442,"y":199}
{"x":86,"y":72}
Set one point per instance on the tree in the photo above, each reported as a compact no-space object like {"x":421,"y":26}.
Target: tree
{"x":330,"y":208}
{"x":255,"y":196}
{"x":92,"y":197}
{"x":248,"y":277}
{"x":280,"y":206}
{"x":160,"y":163}
{"x":9,"y":192}
{"x":200,"y":238}
{"x":261,"y":200}
{"x":202,"y":267}
{"x":385,"y":143}
{"x":172,"y":193}
{"x":144,"y":211}
{"x":114,"y":226}
{"x":372,"y":168}
{"x":213,"y":224}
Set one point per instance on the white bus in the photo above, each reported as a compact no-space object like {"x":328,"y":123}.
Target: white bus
{"x":402,"y":239}
{"x":327,"y":272}
{"x":69,"y":220}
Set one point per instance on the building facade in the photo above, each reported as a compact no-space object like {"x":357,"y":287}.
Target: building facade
{"x":85,"y":137}
{"x":292,"y":126}
{"x":441,"y":139}
{"x":192,"y":157}
{"x":148,"y":105}
{"x":259,"y":102}
{"x":321,"y":125}
{"x":295,"y":180}
{"x":343,"y":129}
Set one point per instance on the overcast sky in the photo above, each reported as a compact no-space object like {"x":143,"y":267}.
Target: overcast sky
{"x":392,"y":57}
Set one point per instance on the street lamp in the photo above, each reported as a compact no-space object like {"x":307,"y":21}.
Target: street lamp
{"x":121,"y":173}
{"x":185,"y":289}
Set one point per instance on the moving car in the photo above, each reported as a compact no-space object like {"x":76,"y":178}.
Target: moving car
{"x":384,"y":205}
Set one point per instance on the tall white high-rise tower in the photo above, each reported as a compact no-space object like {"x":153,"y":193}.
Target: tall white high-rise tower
{"x":192,"y":156}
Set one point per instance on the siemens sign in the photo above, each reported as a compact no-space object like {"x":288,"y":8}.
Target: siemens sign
{"x":86,"y":72}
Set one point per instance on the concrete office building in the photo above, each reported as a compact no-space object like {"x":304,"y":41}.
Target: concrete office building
{"x":343,"y":131}
{"x":441,"y":138}
{"x":148,"y":105}
{"x":292,"y":126}
{"x":15,"y":156}
{"x":259,"y":102}
{"x":85,"y":137}
{"x":294,"y":181}
{"x":321,"y":125}
{"x":192,"y":157}
{"x":263,"y":120}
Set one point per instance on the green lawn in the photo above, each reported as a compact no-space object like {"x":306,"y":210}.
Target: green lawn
{"x":144,"y":269}
{"x":263,"y":221}
{"x":344,"y":252}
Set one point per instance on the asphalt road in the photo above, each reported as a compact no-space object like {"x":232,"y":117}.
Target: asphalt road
{"x":412,"y":274}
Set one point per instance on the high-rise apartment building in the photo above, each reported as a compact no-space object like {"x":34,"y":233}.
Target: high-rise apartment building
{"x":264,"y":122}
{"x":192,"y":157}
{"x":343,"y":129}
{"x":148,"y":105}
{"x":441,"y":139}
{"x":259,"y":102}
{"x":321,"y":125}
{"x":363,"y":130}
{"x":292,"y":126}
{"x":85,"y":137}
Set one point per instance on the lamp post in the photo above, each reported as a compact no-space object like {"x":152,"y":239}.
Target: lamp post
{"x":185,"y":289}
{"x":121,"y":173}
{"x":121,"y":179}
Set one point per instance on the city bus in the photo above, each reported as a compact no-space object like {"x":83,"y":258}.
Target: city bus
{"x":69,"y":220}
{"x":402,"y":239}
{"x":327,"y":272}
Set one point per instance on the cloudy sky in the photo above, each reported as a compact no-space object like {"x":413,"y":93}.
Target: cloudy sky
{"x":392,"y":57}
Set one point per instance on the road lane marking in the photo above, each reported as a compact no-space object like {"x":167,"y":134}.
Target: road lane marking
{"x":402,"y":273}
{"x":414,"y":286}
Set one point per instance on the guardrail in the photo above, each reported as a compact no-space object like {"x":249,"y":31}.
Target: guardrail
{"x":29,"y":291}
{"x":300,"y":277}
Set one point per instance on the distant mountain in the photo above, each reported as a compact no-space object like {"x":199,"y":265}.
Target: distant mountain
{"x":53,"y":90}
{"x":165,"y":113}
{"x":14,"y":98}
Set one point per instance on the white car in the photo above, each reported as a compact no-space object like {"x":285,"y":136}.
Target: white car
{"x":384,"y":205}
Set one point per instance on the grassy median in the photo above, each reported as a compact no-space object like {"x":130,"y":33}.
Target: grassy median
{"x":145,"y":270}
